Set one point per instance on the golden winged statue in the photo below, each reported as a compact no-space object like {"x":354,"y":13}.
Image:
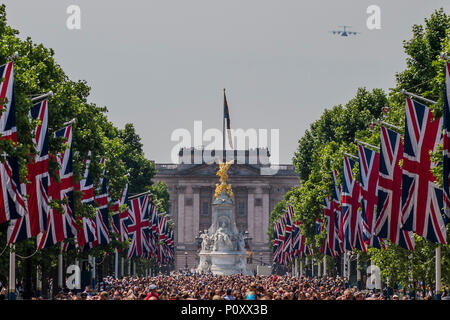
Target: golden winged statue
{"x":222,"y":173}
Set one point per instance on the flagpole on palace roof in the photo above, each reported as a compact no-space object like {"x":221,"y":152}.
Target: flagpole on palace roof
{"x":223,"y":127}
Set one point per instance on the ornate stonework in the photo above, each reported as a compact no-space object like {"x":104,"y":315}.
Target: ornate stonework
{"x":197,"y":181}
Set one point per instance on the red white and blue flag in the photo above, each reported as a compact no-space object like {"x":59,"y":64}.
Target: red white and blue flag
{"x":446,"y":145}
{"x":298,"y":240}
{"x":288,"y":228}
{"x":139,"y":228}
{"x":330,"y":241}
{"x":102,"y":217}
{"x":278,"y":254}
{"x":351,"y":209}
{"x":35,"y":221}
{"x":388,"y":223}
{"x":369,"y":163}
{"x":120,"y":217}
{"x":338,"y":245}
{"x":277,"y":244}
{"x":12,"y":203}
{"x":86,"y":229}
{"x":422,"y":199}
{"x":61,"y":224}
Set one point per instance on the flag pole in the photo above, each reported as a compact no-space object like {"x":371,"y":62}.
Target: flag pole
{"x":60,"y":270}
{"x":12,"y":272}
{"x":121,"y":267}
{"x":366,"y":144}
{"x":389,"y":125}
{"x":417,"y":97}
{"x":223,"y":127}
{"x":349,"y":155}
{"x":116,"y":264}
{"x":42,"y":97}
{"x":438,"y":273}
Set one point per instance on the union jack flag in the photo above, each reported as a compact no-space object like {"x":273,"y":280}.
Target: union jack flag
{"x":163,"y":236}
{"x":119,"y":218}
{"x":300,"y":241}
{"x":296,"y":240}
{"x":309,"y":251}
{"x":276,"y":241}
{"x":388,"y":223}
{"x":329,"y":214}
{"x":12,"y":204}
{"x":422,"y":200}
{"x":86,"y":228}
{"x":61,"y":225}
{"x":446,"y":145}
{"x":338,"y":245}
{"x":154,"y":235}
{"x":319,"y":225}
{"x":139,"y":228}
{"x":288,"y":228}
{"x":369,"y":163}
{"x":35,"y":221}
{"x":352,"y":216}
{"x":102,"y":217}
{"x":278,"y":255}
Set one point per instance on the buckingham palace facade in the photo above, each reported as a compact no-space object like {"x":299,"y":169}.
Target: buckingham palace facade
{"x":256,"y":187}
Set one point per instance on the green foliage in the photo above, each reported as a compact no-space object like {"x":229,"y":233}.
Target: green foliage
{"x":319,"y":150}
{"x":37,"y":72}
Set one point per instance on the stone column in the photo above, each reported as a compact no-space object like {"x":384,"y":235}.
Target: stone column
{"x":180,"y":218}
{"x":174,"y":208}
{"x":266,"y":212}
{"x":196,"y":209}
{"x":251,"y":212}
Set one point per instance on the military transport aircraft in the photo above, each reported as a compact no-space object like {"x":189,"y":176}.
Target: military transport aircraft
{"x":345,"y":32}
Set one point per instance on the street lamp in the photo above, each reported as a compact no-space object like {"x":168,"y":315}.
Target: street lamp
{"x":185,"y":256}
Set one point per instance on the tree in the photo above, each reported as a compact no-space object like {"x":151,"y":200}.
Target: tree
{"x":319,"y":150}
{"x":37,"y":72}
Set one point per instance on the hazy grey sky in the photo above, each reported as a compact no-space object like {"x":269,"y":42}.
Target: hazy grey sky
{"x":161,"y":64}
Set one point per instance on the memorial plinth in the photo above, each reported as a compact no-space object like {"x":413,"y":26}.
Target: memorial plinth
{"x":223,"y":247}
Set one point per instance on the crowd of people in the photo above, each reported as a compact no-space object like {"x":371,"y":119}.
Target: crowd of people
{"x":180,"y":286}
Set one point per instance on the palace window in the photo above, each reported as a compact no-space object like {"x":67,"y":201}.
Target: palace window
{"x":242,"y":211}
{"x":205,"y":208}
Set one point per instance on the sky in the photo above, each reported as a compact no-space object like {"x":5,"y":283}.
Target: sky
{"x":163,"y":64}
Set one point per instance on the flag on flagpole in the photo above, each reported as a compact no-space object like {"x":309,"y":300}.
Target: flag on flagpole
{"x":446,"y":144}
{"x":351,"y":209}
{"x":388,"y":221}
{"x":61,"y":225}
{"x":369,"y":162}
{"x":35,"y":221}
{"x":12,"y":203}
{"x":226,"y":116}
{"x":422,"y":199}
